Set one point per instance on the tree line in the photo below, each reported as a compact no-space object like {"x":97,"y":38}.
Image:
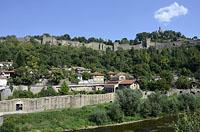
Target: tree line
{"x":34,"y":61}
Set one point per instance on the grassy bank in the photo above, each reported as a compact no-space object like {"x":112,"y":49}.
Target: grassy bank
{"x":66,"y":119}
{"x":129,"y":106}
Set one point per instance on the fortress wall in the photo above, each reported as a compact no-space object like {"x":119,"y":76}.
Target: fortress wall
{"x":125,"y":46}
{"x":56,"y":102}
{"x":94,"y":45}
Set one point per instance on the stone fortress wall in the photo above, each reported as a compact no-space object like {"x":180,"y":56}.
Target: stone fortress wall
{"x":116,"y":46}
{"x":28,"y":105}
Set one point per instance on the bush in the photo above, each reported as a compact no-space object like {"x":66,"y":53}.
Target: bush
{"x":170,"y":105}
{"x":187,"y":102}
{"x":183,"y":83}
{"x":47,"y":92}
{"x":129,"y":101}
{"x":188,"y":123}
{"x":115,"y":113}
{"x":64,"y":90}
{"x":155,"y":103}
{"x":145,"y":108}
{"x":22,"y":94}
{"x":99,"y":117}
{"x":9,"y":126}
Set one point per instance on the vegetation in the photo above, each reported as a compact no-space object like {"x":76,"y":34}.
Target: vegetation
{"x":64,"y":90}
{"x":34,"y":61}
{"x":129,"y":106}
{"x":188,"y":123}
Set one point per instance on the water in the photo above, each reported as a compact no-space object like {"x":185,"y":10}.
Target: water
{"x":159,"y":125}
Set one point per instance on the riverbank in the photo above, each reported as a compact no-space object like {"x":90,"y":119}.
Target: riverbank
{"x":60,"y":120}
{"x":116,"y":124}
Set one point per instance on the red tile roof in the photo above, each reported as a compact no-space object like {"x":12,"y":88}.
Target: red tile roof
{"x":112,"y":82}
{"x":127,"y":82}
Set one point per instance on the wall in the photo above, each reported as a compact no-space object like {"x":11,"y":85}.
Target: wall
{"x":1,"y":120}
{"x":56,"y":102}
{"x":3,"y":81}
{"x":5,"y":93}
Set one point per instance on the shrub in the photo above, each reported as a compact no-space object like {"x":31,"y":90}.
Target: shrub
{"x":64,"y":90}
{"x":155,"y":103}
{"x":47,"y":92}
{"x":170,"y":105}
{"x":187,"y":102}
{"x":99,"y":117}
{"x":129,"y":101}
{"x":115,"y":113}
{"x":145,"y":108}
{"x":22,"y":94}
{"x":188,"y":123}
{"x":183,"y":83}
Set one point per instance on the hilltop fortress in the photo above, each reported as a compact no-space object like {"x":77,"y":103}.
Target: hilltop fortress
{"x":159,"y":39}
{"x":103,"y":47}
{"x":115,"y":46}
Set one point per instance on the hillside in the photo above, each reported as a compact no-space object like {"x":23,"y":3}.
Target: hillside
{"x":146,"y":63}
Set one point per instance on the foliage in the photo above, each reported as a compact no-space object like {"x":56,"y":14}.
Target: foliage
{"x":22,"y":94}
{"x":115,"y":113}
{"x":183,"y":83}
{"x":86,"y":76}
{"x":188,"y":123}
{"x":45,"y":92}
{"x":154,"y":105}
{"x":129,"y":101}
{"x":187,"y":102}
{"x":64,"y":89}
{"x":99,"y":117}
{"x":34,"y":61}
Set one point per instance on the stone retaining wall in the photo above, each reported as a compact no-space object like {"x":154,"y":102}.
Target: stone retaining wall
{"x":28,"y":105}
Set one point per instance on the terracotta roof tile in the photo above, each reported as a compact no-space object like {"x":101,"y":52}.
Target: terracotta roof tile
{"x":127,"y":82}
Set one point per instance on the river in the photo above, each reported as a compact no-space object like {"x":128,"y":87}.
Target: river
{"x":154,"y":125}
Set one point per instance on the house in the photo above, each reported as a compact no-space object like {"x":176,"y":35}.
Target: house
{"x":132,"y":84}
{"x":6,"y":65}
{"x":6,"y":74}
{"x":120,"y":76}
{"x":111,"y":86}
{"x":98,"y":77}
{"x":81,"y":70}
{"x":5,"y":91}
{"x":3,"y":81}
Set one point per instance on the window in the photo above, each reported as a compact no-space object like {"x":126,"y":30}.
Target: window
{"x":19,"y":107}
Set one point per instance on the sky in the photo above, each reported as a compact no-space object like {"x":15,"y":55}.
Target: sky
{"x":108,"y":19}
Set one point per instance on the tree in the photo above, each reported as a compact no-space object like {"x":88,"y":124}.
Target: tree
{"x":47,"y":92}
{"x":162,"y":85}
{"x":99,"y":117}
{"x":56,"y":76}
{"x":187,"y":102}
{"x":115,"y":113}
{"x":64,"y":89}
{"x":22,"y":94}
{"x":167,"y":75}
{"x":155,"y":103}
{"x":183,"y":83}
{"x":86,"y":75}
{"x":187,"y":123}
{"x":129,"y":101}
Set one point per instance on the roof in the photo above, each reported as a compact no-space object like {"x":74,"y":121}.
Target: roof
{"x":112,"y":82}
{"x":127,"y":82}
{"x":6,"y":62}
{"x":12,"y":71}
{"x":111,"y":73}
{"x":97,"y":74}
